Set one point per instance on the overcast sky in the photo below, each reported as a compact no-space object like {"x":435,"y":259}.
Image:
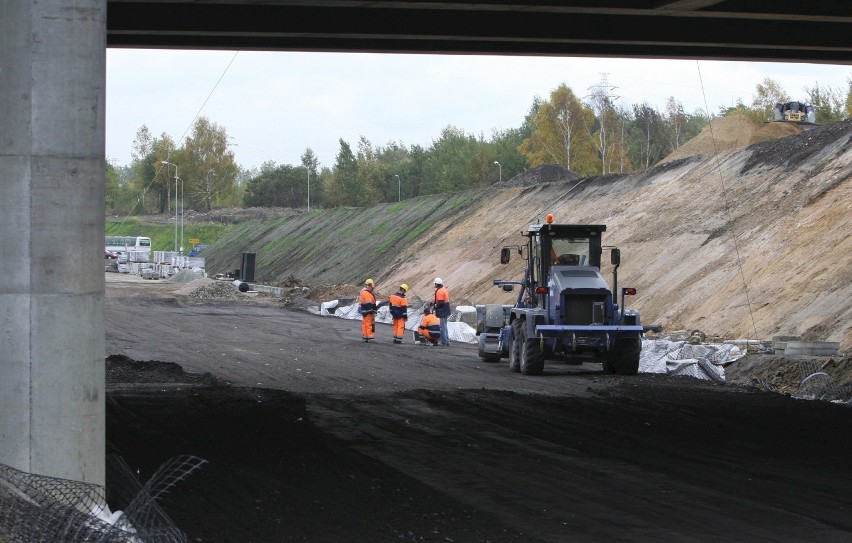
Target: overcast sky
{"x":274,"y":105}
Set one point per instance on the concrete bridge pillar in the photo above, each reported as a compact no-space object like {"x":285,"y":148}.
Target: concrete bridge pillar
{"x":52,"y":94}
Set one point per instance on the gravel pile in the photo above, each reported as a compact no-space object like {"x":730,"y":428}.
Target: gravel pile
{"x":217,"y":290}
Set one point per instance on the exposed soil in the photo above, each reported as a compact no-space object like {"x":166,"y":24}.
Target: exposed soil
{"x":312,"y":435}
{"x":734,"y":132}
{"x":742,"y":233}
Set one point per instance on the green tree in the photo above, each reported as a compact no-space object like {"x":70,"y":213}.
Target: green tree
{"x":768,"y":93}
{"x":112,"y":187}
{"x":676,"y":120}
{"x":741,"y":109}
{"x":619,"y":159}
{"x":161,"y":177}
{"x":602,"y":102}
{"x":559,"y":135}
{"x":143,"y":144}
{"x":414,"y":173}
{"x":277,"y":186}
{"x":695,"y":123}
{"x":449,"y":164}
{"x":150,"y":178}
{"x":848,"y":107}
{"x":209,"y":172}
{"x":318,"y":188}
{"x":396,"y":161}
{"x":310,"y":163}
{"x":830,"y":104}
{"x":341,"y":188}
{"x":263,"y":189}
{"x":244,"y":175}
{"x":647,"y":136}
{"x":506,"y":144}
{"x":370,"y":176}
{"x":481,"y":166}
{"x":120,"y":196}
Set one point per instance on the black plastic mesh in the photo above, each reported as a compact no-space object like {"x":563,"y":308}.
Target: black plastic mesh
{"x":43,"y":509}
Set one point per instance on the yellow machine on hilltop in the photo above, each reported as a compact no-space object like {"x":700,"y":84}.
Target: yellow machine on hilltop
{"x":796,"y":112}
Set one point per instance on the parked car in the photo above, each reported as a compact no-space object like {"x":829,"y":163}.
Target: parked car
{"x":110,"y":255}
{"x":197,"y":249}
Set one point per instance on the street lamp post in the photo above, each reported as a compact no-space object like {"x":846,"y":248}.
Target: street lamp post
{"x":176,"y":195}
{"x":180,"y":247}
{"x":309,"y":189}
{"x":398,"y":189}
{"x":500,"y":170}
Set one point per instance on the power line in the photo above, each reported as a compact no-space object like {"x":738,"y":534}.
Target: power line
{"x":728,"y":207}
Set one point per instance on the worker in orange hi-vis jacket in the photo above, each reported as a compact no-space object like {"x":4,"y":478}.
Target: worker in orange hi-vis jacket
{"x":399,"y":312}
{"x":429,"y":331}
{"x":443,"y":310}
{"x":367,"y":308}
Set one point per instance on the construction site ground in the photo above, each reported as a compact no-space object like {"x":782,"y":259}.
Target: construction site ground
{"x":312,"y":435}
{"x":743,"y":232}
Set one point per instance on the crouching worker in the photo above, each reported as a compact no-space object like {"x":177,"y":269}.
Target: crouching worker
{"x":429,"y":331}
{"x":399,"y":312}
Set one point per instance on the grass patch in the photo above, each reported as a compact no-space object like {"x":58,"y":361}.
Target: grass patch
{"x":416,"y":232}
{"x":163,"y":235}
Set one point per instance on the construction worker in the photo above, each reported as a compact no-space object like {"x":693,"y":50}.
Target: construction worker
{"x":442,"y":309}
{"x":367,"y":308}
{"x":399,"y":312}
{"x":429,"y":331}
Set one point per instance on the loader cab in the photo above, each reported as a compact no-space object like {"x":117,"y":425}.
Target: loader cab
{"x":567,"y":245}
{"x":561,"y":245}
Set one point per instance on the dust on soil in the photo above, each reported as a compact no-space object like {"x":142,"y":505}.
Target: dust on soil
{"x":311,"y":435}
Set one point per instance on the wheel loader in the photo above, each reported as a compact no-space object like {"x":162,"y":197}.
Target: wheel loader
{"x":565,"y":310}
{"x":795,"y":112}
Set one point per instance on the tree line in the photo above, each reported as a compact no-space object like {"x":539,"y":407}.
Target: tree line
{"x":592,"y":136}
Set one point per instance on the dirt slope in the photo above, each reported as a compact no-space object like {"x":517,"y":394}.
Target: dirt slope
{"x":733,"y":132}
{"x":750,"y":242}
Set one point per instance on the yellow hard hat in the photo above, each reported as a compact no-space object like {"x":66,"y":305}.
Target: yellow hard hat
{"x":404,"y":287}
{"x":370,"y":282}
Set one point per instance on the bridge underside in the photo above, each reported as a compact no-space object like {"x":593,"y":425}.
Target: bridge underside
{"x":798,"y":31}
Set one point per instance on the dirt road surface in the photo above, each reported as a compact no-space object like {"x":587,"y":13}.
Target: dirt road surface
{"x":312,"y":435}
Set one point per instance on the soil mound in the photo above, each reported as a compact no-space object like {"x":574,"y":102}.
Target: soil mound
{"x":734,"y":131}
{"x":546,"y":173}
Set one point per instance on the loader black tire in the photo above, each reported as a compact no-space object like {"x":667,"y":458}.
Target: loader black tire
{"x":515,"y":341}
{"x":532,"y":359}
{"x":624,"y":358}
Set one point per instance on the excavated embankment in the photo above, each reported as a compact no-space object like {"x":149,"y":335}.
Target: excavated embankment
{"x":746,"y":242}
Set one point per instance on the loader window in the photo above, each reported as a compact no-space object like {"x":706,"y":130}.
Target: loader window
{"x":570,"y":251}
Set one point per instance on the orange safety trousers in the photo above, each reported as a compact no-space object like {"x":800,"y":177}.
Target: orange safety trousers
{"x":368,"y":325}
{"x":398,"y":329}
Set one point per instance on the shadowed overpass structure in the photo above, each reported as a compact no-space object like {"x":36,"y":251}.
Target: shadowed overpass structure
{"x":52,"y":118}
{"x":794,"y":30}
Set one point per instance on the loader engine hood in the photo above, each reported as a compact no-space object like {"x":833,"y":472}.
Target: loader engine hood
{"x":585,"y":277}
{"x":579,"y":296}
